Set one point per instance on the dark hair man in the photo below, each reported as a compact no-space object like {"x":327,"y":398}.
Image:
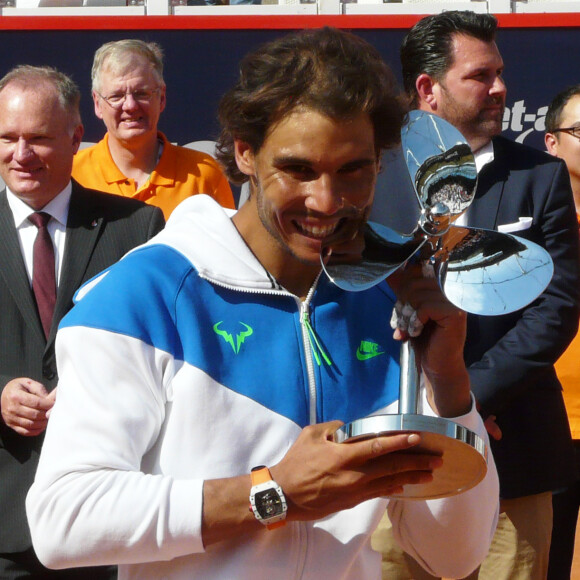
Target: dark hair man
{"x":234,"y":368}
{"x":452,"y":67}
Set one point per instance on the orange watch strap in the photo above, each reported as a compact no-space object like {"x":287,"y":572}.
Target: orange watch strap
{"x":260,"y":475}
{"x":275,"y":525}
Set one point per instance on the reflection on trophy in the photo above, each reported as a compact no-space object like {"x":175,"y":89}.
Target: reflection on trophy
{"x":480,"y":271}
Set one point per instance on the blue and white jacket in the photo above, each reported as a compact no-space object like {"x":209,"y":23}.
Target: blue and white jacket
{"x":186,"y":361}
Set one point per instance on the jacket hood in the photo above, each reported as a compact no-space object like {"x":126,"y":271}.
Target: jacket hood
{"x":203,"y":231}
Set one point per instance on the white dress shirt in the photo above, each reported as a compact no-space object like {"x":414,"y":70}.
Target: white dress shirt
{"x":481,"y":157}
{"x":58,"y":209}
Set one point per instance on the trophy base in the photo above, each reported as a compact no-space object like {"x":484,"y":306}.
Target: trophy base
{"x":464,"y":452}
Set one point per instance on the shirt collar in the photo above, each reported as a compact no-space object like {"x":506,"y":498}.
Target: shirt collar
{"x":483,"y":156}
{"x":57,"y":207}
{"x":113,"y":174}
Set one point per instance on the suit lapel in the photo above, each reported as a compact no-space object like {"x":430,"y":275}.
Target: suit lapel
{"x":13,"y":269}
{"x":82,"y":231}
{"x":483,"y":212}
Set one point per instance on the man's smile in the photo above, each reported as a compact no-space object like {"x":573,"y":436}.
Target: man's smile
{"x":318,"y":231}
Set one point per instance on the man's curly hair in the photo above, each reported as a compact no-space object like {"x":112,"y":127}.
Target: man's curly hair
{"x":328,"y":70}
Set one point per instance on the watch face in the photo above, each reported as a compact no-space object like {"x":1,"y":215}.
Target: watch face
{"x":268,"y":503}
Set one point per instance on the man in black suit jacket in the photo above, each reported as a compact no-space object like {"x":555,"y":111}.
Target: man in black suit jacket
{"x":40,"y":130}
{"x":452,"y":68}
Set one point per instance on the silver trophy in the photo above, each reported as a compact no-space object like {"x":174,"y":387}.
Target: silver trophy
{"x":480,"y":271}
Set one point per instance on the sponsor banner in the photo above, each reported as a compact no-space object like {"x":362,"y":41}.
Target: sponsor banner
{"x":201,"y":64}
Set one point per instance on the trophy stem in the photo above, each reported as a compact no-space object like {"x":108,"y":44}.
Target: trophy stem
{"x":409,"y":381}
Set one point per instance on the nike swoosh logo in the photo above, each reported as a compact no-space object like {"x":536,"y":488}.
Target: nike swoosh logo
{"x":360,"y":355}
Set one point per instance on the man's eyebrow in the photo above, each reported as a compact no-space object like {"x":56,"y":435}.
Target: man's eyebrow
{"x":362,"y":162}
{"x":486,"y":68}
{"x":297,"y":160}
{"x":292,"y":160}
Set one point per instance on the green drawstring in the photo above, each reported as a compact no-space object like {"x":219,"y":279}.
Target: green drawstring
{"x":315,"y":345}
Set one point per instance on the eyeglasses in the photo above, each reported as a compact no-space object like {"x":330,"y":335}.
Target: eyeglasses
{"x":141,"y":96}
{"x":573,"y":131}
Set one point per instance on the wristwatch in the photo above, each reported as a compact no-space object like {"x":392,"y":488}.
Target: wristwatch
{"x":267,"y":499}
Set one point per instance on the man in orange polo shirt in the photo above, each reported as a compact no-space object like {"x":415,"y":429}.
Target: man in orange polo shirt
{"x":563,"y":140}
{"x":134,"y":159}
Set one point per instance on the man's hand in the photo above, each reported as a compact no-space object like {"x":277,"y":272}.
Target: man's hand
{"x":320,"y":477}
{"x":26,"y":405}
{"x":439,"y":348}
{"x":491,"y":426}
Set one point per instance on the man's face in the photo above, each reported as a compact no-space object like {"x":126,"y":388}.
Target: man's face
{"x":312,"y":183}
{"x":564,"y":145}
{"x":36,"y":143}
{"x":133,"y":120}
{"x":472,"y":94}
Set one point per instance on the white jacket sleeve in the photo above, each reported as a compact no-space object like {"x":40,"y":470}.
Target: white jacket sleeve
{"x":120,"y":410}
{"x":450,"y":537}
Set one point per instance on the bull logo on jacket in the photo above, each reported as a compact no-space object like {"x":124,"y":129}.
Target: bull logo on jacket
{"x":228,"y":337}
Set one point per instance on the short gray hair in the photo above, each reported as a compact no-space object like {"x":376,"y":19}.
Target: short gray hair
{"x":115,"y":56}
{"x":68,"y":93}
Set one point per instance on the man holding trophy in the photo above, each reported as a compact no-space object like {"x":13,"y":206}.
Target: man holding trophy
{"x":210,"y":369}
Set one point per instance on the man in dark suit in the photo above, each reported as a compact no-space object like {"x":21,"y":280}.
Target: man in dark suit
{"x":453,"y":68}
{"x":40,"y":131}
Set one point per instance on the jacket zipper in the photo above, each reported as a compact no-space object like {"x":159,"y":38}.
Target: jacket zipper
{"x":308,"y":338}
{"x":304,"y":325}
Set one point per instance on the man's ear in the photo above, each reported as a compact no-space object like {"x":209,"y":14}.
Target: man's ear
{"x":551,"y":142}
{"x":97,"y":105}
{"x":425,"y":87}
{"x":245,"y":158}
{"x":77,"y":137}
